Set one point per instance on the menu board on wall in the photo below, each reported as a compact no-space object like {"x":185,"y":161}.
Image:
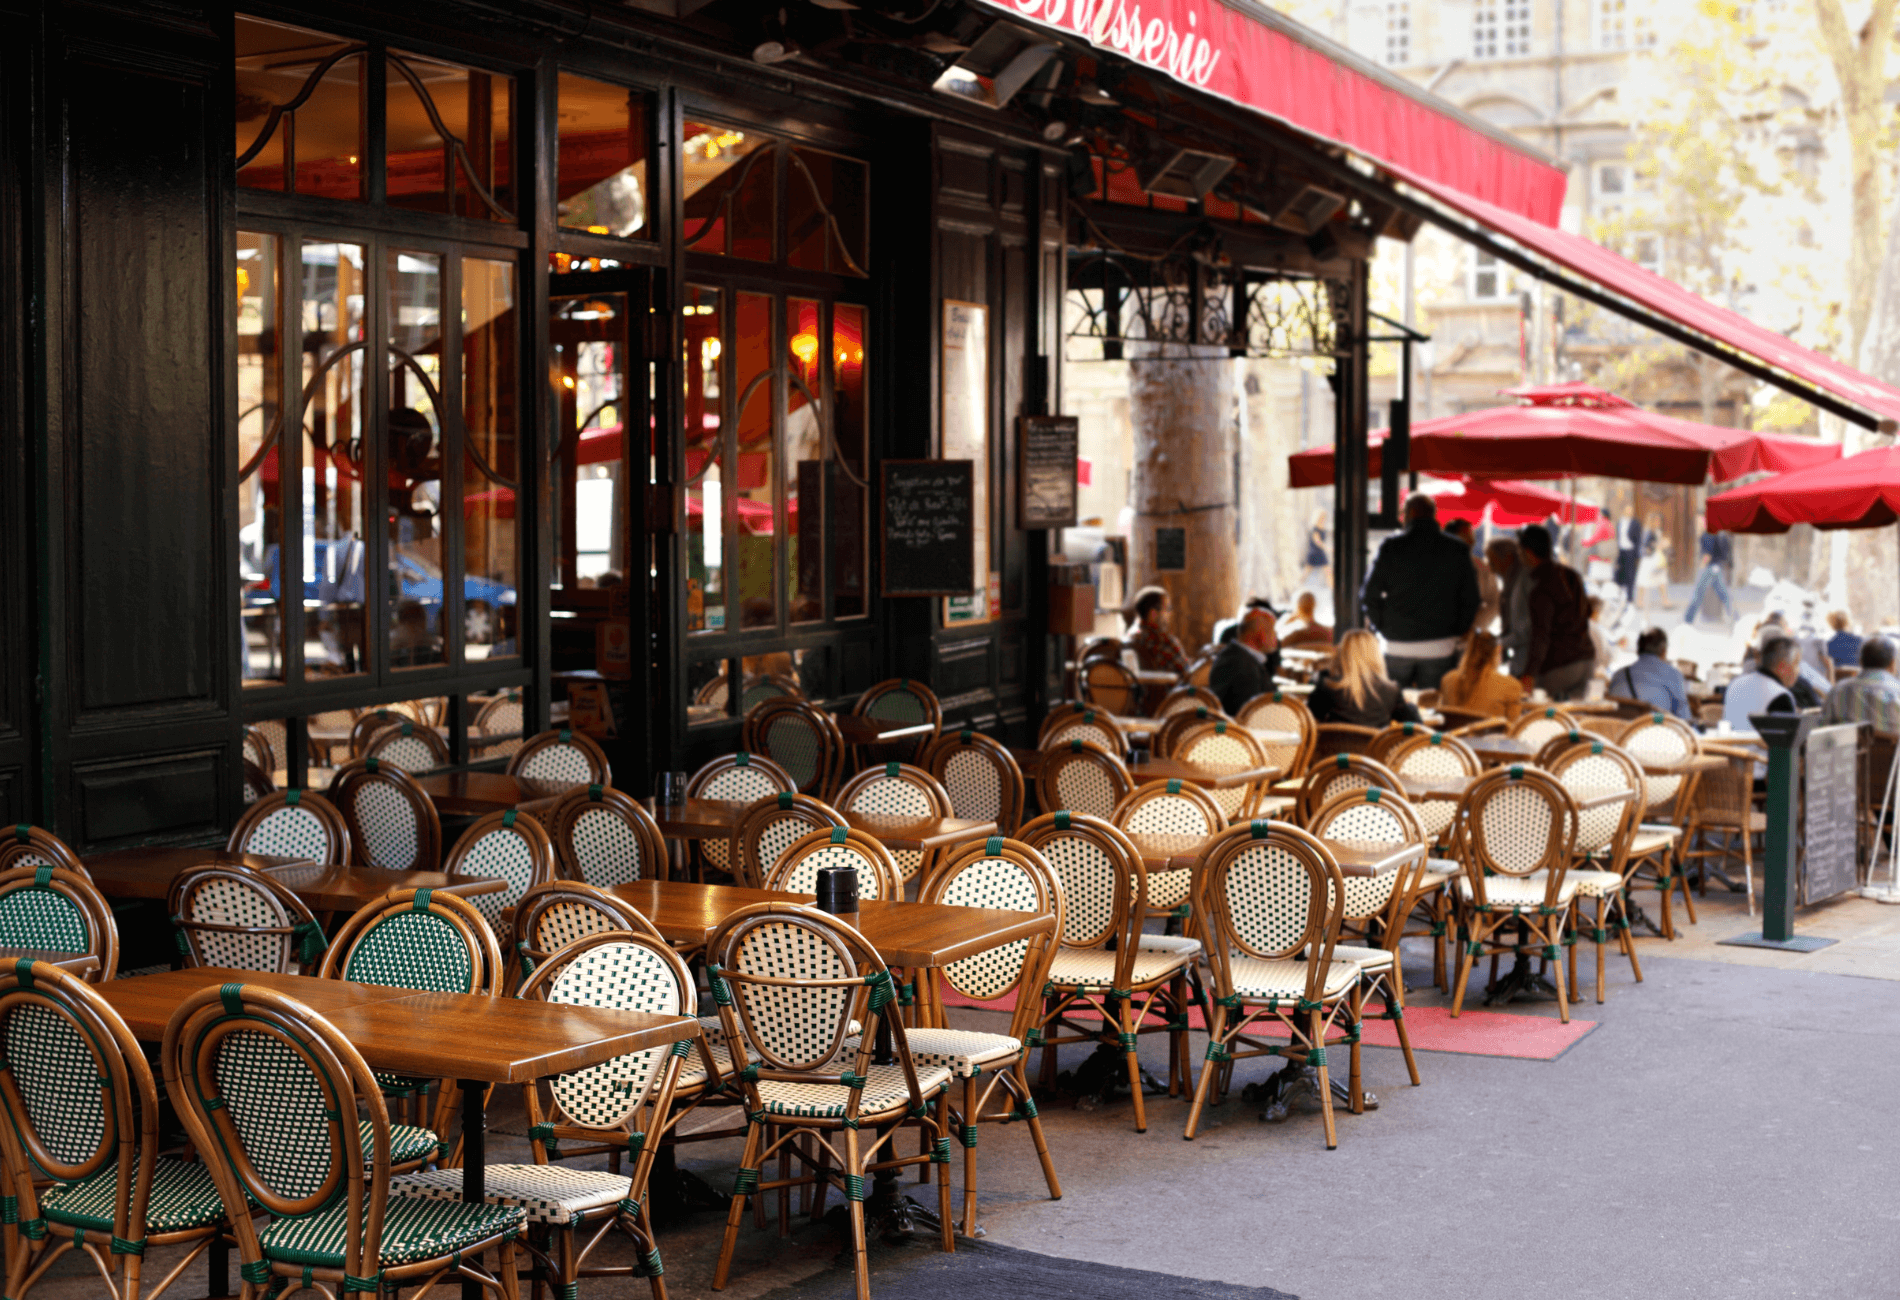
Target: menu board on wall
{"x":1046,"y":479}
{"x":964,"y":408}
{"x":927,"y":534}
{"x":1830,"y":822}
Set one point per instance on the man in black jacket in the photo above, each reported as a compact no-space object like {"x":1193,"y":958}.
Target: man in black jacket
{"x":1245,"y":666}
{"x":1421,"y":596}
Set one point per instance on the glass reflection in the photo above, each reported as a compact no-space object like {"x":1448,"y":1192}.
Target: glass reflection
{"x":804,"y":453}
{"x":447,"y":148}
{"x":591,"y":396}
{"x":316,"y":148}
{"x":703,"y":405}
{"x":602,"y":157}
{"x":332,"y":475}
{"x":754,"y":556}
{"x":414,"y":593}
{"x":846,"y":515}
{"x":826,"y":212}
{"x":491,"y":459}
{"x":729,"y":187}
{"x":260,"y":380}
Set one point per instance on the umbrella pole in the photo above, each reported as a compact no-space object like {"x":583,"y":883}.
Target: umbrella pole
{"x":1576,"y":544}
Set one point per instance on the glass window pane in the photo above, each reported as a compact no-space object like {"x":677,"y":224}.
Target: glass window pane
{"x":850,"y":565}
{"x":805,"y":455}
{"x":755,"y":555}
{"x":589,"y":333}
{"x":318,"y":145}
{"x":448,"y":123}
{"x":416,"y":563}
{"x":491,"y":463}
{"x":825,"y":212}
{"x":729,"y":186}
{"x":333,"y":427}
{"x":602,"y":157}
{"x":704,"y":405}
{"x":260,"y":378}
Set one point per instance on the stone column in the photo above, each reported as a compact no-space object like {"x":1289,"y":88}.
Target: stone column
{"x":1184,"y":411}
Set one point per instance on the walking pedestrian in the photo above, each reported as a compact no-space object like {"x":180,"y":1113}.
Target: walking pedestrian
{"x":1718,"y":555}
{"x":1652,"y":571}
{"x":1560,"y":657}
{"x":1488,"y":591}
{"x":1421,"y":596}
{"x":1629,"y":551}
{"x":1502,"y":557}
{"x":1844,"y":646}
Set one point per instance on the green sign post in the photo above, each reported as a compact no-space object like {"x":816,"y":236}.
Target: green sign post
{"x":1784,"y":733}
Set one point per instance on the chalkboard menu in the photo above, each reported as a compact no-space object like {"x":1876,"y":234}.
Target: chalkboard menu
{"x":929,"y":542}
{"x":1046,"y":480}
{"x":1170,"y":549}
{"x":1830,"y":823}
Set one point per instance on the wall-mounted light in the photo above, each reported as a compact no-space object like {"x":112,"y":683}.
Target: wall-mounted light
{"x":997,"y":65}
{"x":1182,"y":173}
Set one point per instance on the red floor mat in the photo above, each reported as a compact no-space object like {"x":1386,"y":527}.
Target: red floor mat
{"x":1473,"y":1033}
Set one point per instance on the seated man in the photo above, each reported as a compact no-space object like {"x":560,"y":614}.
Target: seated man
{"x":1767,"y":689}
{"x":1150,"y":637}
{"x":1652,"y":678}
{"x":1245,"y":666}
{"x":1810,"y":684}
{"x":1873,"y":695}
{"x":1305,"y":628}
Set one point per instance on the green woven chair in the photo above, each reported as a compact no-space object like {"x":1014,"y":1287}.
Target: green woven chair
{"x":627,"y":1100}
{"x":506,"y":846}
{"x":293,"y":824}
{"x":409,"y":746}
{"x":899,"y":792}
{"x":801,"y":738}
{"x":899,"y":700}
{"x":231,"y":916}
{"x":434,"y":942}
{"x":604,"y":837}
{"x":1602,"y":862}
{"x":743,"y":777}
{"x":51,"y":909}
{"x":82,"y":1112}
{"x":31,"y":846}
{"x":981,"y":777}
{"x":789,"y":981}
{"x":269,"y":1092}
{"x":393,"y":824}
{"x":841,"y":846}
{"x":769,"y":829}
{"x":561,"y":757}
{"x":552,"y":915}
{"x":1268,"y":895}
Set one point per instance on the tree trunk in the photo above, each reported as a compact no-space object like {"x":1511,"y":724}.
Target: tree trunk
{"x":1868,"y":556}
{"x":1185,"y":422}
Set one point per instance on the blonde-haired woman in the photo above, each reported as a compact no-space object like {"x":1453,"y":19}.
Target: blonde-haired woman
{"x":1477,"y":685}
{"x":1652,"y":571}
{"x":1356,"y":689}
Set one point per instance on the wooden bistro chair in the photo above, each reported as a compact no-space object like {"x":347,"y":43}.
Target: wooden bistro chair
{"x":898,"y":791}
{"x":841,"y":846}
{"x":1517,"y":834}
{"x":1279,"y":711}
{"x":1392,"y":736}
{"x":1375,"y":907}
{"x":1269,"y":896}
{"x":1330,"y":738}
{"x":34,"y":846}
{"x":1110,"y":685}
{"x":1538,"y":723}
{"x":771,"y":827}
{"x":502,"y":719}
{"x":1104,"y":900}
{"x":1169,"y":808}
{"x":258,"y":784}
{"x":1222,"y":747}
{"x":605,"y":837}
{"x":562,"y":757}
{"x":801,"y":738}
{"x":1328,"y":778}
{"x":51,"y":909}
{"x":229,"y":915}
{"x":1668,"y":803}
{"x":269,"y":1092}
{"x":1078,"y":776}
{"x":1723,"y":820}
{"x":624,"y":1105}
{"x":743,"y":777}
{"x":902,"y":700}
{"x":1185,"y":698}
{"x":392,"y":823}
{"x":793,"y":984}
{"x":371,"y":721}
{"x":980,"y":775}
{"x":433,"y":942}
{"x":260,"y":749}
{"x":293,"y":824}
{"x":1561,"y":744}
{"x":757,"y":688}
{"x":1431,"y":755}
{"x":1601,"y":865}
{"x":989,"y":1071}
{"x":1091,"y":725}
{"x":508,"y":846}
{"x":556,"y":913}
{"x":1167,"y":737}
{"x":409,"y":746}
{"x":82,"y":1115}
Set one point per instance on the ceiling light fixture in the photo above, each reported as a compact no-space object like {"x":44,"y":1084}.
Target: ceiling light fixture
{"x":1000,"y":62}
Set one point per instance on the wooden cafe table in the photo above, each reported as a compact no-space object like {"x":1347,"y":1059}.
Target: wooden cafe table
{"x":718,"y":819}
{"x":855,"y":729}
{"x":475,"y":1040}
{"x":1498,"y":748}
{"x":1168,"y":769}
{"x":476,"y":794}
{"x":148,"y":874}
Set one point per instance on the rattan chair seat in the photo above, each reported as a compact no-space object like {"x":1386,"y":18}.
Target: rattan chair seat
{"x":1517,"y":893}
{"x":557,"y":1194}
{"x":183,"y":1196}
{"x":413,"y":1229}
{"x":963,"y":1052}
{"x":1366,"y":959}
{"x":1178,"y":945}
{"x":1262,"y":979}
{"x":1092,"y":970}
{"x":884,"y":1091}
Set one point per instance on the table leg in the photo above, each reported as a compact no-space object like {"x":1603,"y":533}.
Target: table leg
{"x":1520,"y":981}
{"x":474,"y":1157}
{"x":220,"y":1266}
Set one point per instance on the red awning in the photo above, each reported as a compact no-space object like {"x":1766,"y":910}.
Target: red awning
{"x":1672,"y":302}
{"x":1261,"y":60}
{"x":1859,"y":492}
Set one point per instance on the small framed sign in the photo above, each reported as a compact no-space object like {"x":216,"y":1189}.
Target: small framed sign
{"x":1170,"y":550}
{"x":1046,"y":475}
{"x":929,"y":543}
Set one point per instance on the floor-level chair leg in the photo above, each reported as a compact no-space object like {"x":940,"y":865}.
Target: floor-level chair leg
{"x":1395,"y":1011}
{"x":944,"y":1219}
{"x":968,"y":1136}
{"x":1466,"y":952}
{"x":1126,"y":1015}
{"x":1035,"y":1135}
{"x":741,"y":1193}
{"x":854,"y":1178}
{"x":1209,"y":1069}
{"x":1355,"y":1004}
{"x":1316,"y":1031}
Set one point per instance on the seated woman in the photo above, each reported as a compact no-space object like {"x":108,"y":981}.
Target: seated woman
{"x":1477,"y":685}
{"x":1148,"y":636}
{"x":1357,"y":690}
{"x":1305,"y":628}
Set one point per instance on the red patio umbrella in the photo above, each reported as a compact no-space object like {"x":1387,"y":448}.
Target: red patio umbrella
{"x":1549,"y":441}
{"x":1511,"y":502}
{"x":1861,"y":491}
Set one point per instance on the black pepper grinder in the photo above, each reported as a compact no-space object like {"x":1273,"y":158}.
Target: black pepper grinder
{"x":838,"y":893}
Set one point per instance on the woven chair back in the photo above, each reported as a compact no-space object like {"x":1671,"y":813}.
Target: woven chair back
{"x":743,"y":777}
{"x":1103,"y":880}
{"x":1547,"y":753}
{"x":1537,"y":724}
{"x":980,"y":775}
{"x":771,"y":827}
{"x":1081,"y":777}
{"x":800,"y":737}
{"x":1172,"y":807}
{"x":51,"y":909}
{"x":760,"y":687}
{"x":1596,"y":767}
{"x":605,"y":837}
{"x":1282,"y":711}
{"x":502,"y":719}
{"x":426,"y":939}
{"x":1185,"y":699}
{"x":901,"y":700}
{"x":257,"y":783}
{"x":1090,"y":725}
{"x":508,"y":846}
{"x":35,"y":846}
{"x":556,"y":913}
{"x":563,"y":757}
{"x":371,"y":721}
{"x":1380,"y":817}
{"x":1263,"y":895}
{"x":840,"y":846}
{"x":1329,"y":778}
{"x":897,"y":792}
{"x":413,"y":747}
{"x":1516,"y":821}
{"x":1109,"y":684}
{"x":392,"y":823}
{"x":1391,"y":737}
{"x":258,"y":748}
{"x":1008,"y":875}
{"x":620,"y":970}
{"x":1166,"y":738}
{"x":1226,"y":747}
{"x":293,"y":824}
{"x":1433,"y":755}
{"x":1659,"y":738}
{"x":231,"y":916}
